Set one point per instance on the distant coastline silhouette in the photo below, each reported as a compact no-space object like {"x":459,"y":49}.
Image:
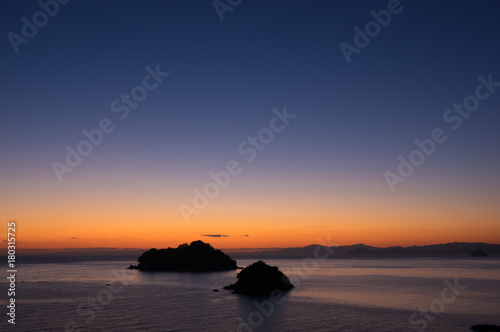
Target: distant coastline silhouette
{"x":485,"y":327}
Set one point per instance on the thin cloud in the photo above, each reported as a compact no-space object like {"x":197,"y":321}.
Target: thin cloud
{"x":215,"y":235}
{"x":246,"y":235}
{"x":73,"y":238}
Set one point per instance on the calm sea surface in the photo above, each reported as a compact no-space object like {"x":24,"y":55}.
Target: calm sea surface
{"x":410,"y":294}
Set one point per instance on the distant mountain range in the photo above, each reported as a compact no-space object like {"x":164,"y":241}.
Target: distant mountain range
{"x":456,"y":249}
{"x":361,"y":250}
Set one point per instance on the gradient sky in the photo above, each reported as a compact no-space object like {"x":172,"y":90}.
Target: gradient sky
{"x":323,"y":175}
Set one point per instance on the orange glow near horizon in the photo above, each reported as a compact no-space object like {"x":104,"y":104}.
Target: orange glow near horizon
{"x":274,"y":217}
{"x":80,"y":230}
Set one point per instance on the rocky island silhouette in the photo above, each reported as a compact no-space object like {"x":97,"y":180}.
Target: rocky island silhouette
{"x":195,"y":257}
{"x":260,"y":279}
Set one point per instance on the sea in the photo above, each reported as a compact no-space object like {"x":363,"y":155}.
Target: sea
{"x":344,"y":294}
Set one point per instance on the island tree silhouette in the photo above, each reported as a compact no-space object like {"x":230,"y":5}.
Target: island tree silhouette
{"x":260,"y":279}
{"x":196,"y":257}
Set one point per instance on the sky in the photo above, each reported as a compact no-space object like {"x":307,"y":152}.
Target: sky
{"x":256,"y":124}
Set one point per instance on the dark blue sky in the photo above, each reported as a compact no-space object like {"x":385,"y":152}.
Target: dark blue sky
{"x":353,"y":119}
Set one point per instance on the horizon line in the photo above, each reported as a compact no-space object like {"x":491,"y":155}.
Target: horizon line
{"x":110,"y":249}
